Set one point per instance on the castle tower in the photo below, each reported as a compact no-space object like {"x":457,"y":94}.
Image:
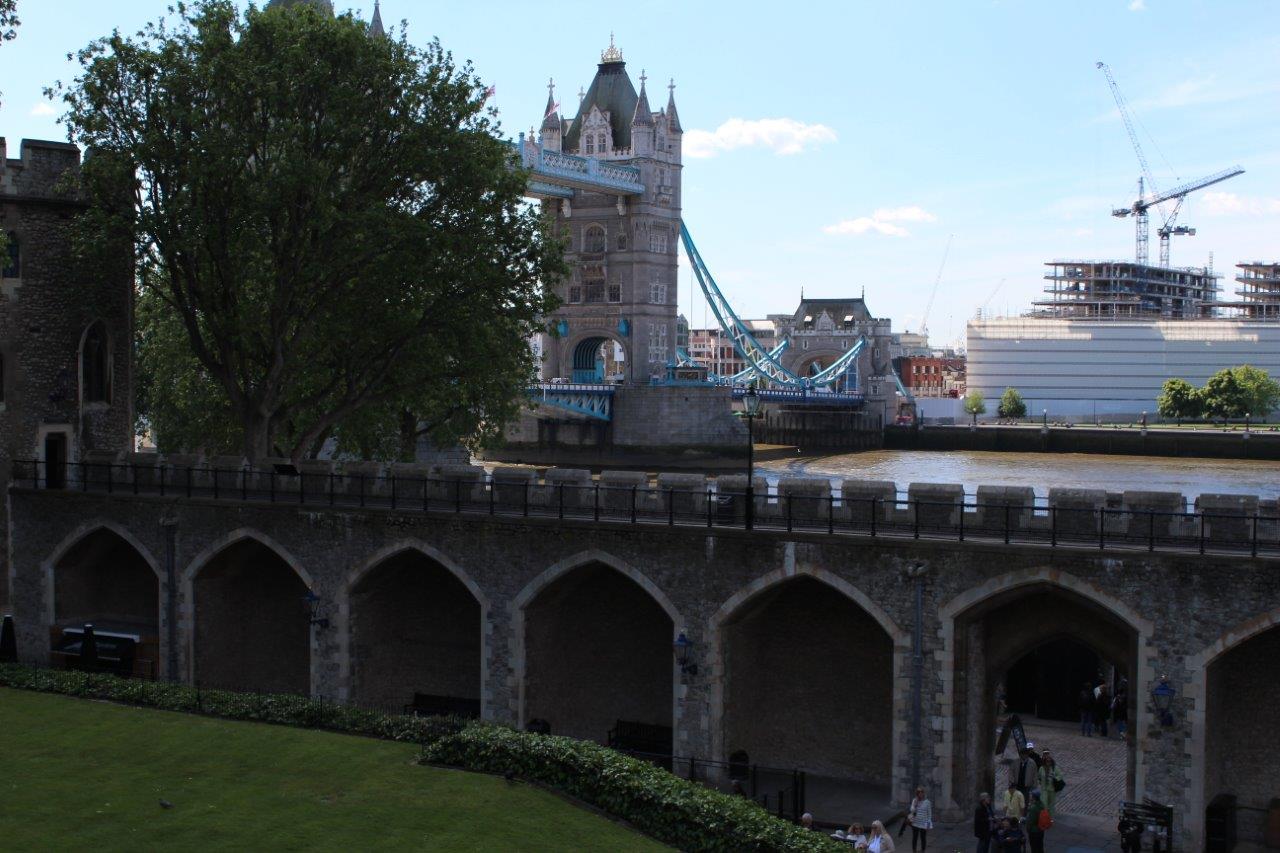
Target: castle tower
{"x":618,"y":317}
{"x":66,"y":334}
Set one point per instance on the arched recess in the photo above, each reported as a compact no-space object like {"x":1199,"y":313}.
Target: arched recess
{"x":987,"y":629}
{"x":803,"y":672}
{"x":412,"y":621}
{"x":102,"y":574}
{"x":95,"y":363}
{"x":593,"y":646}
{"x":248,"y":618}
{"x":810,"y":363}
{"x":1233,"y":751}
{"x":593,"y":357}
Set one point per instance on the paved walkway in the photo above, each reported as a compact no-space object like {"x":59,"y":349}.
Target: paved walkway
{"x":1094,"y":768}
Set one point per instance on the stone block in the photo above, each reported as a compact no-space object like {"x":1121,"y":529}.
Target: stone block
{"x":861,"y":500}
{"x":458,"y":485}
{"x":936,"y":506}
{"x":359,"y":479}
{"x":571,"y":487}
{"x":1228,"y":518}
{"x":1074,"y":513}
{"x":102,"y":469}
{"x":998,"y":504}
{"x":513,"y":486}
{"x":684,"y":495}
{"x":734,"y":486}
{"x":226,"y":474}
{"x":407,"y":482}
{"x":806,"y":499}
{"x":1157,"y":514}
{"x":618,"y":489}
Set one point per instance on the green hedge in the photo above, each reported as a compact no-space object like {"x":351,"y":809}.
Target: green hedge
{"x":281,"y":709}
{"x":663,"y":806}
{"x":666,"y":807}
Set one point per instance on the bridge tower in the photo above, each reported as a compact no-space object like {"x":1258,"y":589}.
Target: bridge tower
{"x":618,"y":317}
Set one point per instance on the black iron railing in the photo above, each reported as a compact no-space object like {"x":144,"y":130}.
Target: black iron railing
{"x":781,"y":791}
{"x":1092,"y":527}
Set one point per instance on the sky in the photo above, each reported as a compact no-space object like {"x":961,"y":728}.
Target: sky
{"x":837,"y":147}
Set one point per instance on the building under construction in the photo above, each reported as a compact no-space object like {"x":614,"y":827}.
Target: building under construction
{"x":1124,"y":290}
{"x":1259,"y":291}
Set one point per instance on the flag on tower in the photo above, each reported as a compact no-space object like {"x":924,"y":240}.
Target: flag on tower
{"x":552,"y":108}
{"x":490,"y":92}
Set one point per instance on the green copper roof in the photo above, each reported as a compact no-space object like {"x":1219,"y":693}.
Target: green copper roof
{"x":612,"y":92}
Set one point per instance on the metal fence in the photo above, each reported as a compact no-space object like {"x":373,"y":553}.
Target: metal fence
{"x":1081,"y":527}
{"x":778,"y":790}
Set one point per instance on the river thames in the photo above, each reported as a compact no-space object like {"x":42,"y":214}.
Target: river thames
{"x":1041,"y":471}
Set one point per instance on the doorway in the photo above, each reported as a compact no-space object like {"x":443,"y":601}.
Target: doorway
{"x":55,"y":460}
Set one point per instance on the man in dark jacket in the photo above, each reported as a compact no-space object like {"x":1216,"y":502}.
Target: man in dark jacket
{"x":1010,"y":838}
{"x":984,"y":823}
{"x":1085,"y":706}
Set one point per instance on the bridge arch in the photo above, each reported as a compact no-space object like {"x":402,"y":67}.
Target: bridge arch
{"x":775,"y":636}
{"x":592,"y":645}
{"x":242,"y":594}
{"x":589,"y":358}
{"x":412,"y":622}
{"x":103,"y":574}
{"x":1069,"y":607}
{"x":1218,"y":677}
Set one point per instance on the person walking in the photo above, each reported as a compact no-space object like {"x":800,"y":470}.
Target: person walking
{"x":1036,"y":825}
{"x":920,"y":816}
{"x":1120,"y":710}
{"x":1050,"y":781}
{"x":984,"y":823}
{"x":879,"y":841}
{"x":1102,"y":708}
{"x":1085,"y":705}
{"x":1014,"y":803}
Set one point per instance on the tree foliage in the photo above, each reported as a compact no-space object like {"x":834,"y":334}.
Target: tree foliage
{"x":1011,"y":404}
{"x":1235,"y":392}
{"x":330,"y":237}
{"x":1179,"y":399}
{"x":975,"y":404}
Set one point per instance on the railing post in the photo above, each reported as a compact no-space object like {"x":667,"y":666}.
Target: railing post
{"x":789,"y":519}
{"x":595,"y":508}
{"x":962,"y":519}
{"x":302,"y":487}
{"x":1254,"y":549}
{"x":874,"y":501}
{"x":110,"y":475}
{"x":393,"y":490}
{"x":188,"y":481}
{"x":1053,"y":526}
{"x":1151,"y":531}
{"x":671,"y":506}
{"x":331,"y":496}
{"x":244,"y":484}
{"x":426,"y":492}
{"x":271,"y":476}
{"x":831,"y":514}
{"x":1102,"y":528}
{"x":562,"y":499}
{"x":1006,"y":524}
{"x":708,"y":507}
{"x":457,"y":495}
{"x":84,"y":481}
{"x":492,"y":496}
{"x":526,"y":498}
{"x":1201,"y":532}
{"x":215,"y":484}
{"x":162,"y":467}
{"x":133,"y":472}
{"x":917,"y":519}
{"x":633,"y":504}
{"x":360,"y":480}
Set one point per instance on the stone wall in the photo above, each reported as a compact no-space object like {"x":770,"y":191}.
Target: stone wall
{"x":1174,"y":612}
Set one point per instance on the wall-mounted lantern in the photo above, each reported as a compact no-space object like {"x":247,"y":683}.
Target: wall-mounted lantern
{"x":313,"y":608}
{"x":1162,"y":698}
{"x":683,"y":648}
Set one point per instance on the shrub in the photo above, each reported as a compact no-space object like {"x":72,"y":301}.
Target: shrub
{"x":658,"y":803}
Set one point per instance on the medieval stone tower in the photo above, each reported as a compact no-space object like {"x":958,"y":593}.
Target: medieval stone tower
{"x":65,"y":331}
{"x":618,"y":318}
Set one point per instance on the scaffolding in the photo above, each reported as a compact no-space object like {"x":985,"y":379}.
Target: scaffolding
{"x":1259,"y":291}
{"x":1124,"y":290}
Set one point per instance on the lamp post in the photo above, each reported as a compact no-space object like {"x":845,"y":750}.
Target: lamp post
{"x":1162,"y":697}
{"x":750,"y":411}
{"x":1045,"y":418}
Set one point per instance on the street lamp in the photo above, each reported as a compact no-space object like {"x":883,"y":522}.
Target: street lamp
{"x":1045,"y":416}
{"x":750,"y":411}
{"x":312,"y":602}
{"x":1162,"y":697}
{"x":683,"y":648}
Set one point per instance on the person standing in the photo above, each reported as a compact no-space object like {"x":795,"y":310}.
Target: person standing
{"x":1035,"y":829}
{"x":1085,"y":705}
{"x":1050,"y":781}
{"x":984,"y":823}
{"x":1120,"y":709}
{"x":1102,"y":709}
{"x":1014,"y":803}
{"x":879,"y":841}
{"x":920,"y":816}
{"x":1009,"y":838}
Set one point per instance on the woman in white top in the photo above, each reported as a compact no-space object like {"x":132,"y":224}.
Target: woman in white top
{"x":879,"y":841}
{"x":920,"y":816}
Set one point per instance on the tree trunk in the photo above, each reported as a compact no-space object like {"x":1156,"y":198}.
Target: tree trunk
{"x":257,"y":438}
{"x":408,"y":436}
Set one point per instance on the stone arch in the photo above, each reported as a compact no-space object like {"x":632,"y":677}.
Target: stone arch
{"x":190,"y":605}
{"x":530,"y":595}
{"x":894,"y":655}
{"x":113,"y":604}
{"x":580,"y":351}
{"x":1197,"y":699}
{"x":1004,"y":589}
{"x":344,"y":609}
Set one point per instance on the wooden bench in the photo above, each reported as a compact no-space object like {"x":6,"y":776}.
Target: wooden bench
{"x":428,"y":705}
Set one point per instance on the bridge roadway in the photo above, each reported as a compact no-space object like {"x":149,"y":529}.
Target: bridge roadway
{"x":557,"y":597}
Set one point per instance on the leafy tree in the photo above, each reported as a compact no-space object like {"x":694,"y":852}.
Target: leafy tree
{"x":1011,"y":404}
{"x":330,"y":237}
{"x":975,"y":404}
{"x":8,"y":32}
{"x":1180,"y":399}
{"x":1261,"y":392}
{"x":1224,"y":396}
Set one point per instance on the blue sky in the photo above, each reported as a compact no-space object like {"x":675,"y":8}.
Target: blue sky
{"x":844,"y":142}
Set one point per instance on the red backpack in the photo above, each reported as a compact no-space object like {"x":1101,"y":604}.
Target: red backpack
{"x":1044,"y":821}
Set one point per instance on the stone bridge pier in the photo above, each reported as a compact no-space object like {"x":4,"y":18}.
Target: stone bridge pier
{"x":804,"y":642}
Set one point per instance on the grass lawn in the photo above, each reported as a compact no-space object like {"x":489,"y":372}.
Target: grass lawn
{"x":78,"y":775}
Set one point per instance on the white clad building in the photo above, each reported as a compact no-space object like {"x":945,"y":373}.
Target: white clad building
{"x":1082,"y":369}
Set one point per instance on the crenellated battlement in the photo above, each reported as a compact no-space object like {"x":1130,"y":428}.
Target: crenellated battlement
{"x":38,"y":170}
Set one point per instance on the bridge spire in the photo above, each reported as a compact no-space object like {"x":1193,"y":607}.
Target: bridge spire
{"x":375,"y":25}
{"x":611,"y":53}
{"x":643,"y":116}
{"x":551,"y":116}
{"x":673,"y":118}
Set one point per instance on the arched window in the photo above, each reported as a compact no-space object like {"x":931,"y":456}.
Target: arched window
{"x":591,"y":144}
{"x":603,"y":147}
{"x":13,"y":262}
{"x":95,"y":373}
{"x":594,"y":240}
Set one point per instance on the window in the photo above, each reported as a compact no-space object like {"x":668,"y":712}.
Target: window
{"x":95,"y":366}
{"x":591,"y":145}
{"x":13,"y":265}
{"x":658,"y":243}
{"x":575,"y":293}
{"x":603,"y":147}
{"x":593,"y":239}
{"x":615,"y":293}
{"x":658,"y":292}
{"x":594,"y":291}
{"x":622,"y":242}
{"x":657,"y":343}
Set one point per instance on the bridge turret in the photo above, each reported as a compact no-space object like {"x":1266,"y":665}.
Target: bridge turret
{"x":551,"y":124}
{"x":643,"y":126}
{"x":675,"y":133}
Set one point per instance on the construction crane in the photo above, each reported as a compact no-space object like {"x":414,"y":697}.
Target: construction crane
{"x":924,"y":322}
{"x":1138,"y":210}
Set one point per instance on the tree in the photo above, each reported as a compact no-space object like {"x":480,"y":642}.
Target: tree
{"x":8,"y":32}
{"x":330,"y":236}
{"x":1011,"y":404}
{"x":1261,"y":392}
{"x":975,"y":404}
{"x":1180,"y":399}
{"x":1224,"y":396}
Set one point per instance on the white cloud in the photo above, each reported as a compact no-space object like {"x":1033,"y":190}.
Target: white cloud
{"x":1216,"y":203}
{"x":44,"y":108}
{"x":882,"y":221}
{"x":1138,"y":6}
{"x":780,"y":135}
